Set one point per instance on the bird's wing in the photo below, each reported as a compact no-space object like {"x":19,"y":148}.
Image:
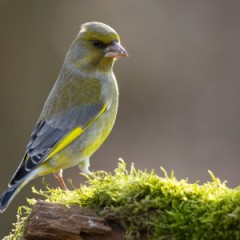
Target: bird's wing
{"x":51,"y":136}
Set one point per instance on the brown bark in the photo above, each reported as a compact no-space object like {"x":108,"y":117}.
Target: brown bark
{"x":56,"y":221}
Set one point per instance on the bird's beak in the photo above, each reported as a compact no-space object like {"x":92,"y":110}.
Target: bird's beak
{"x":115,"y":50}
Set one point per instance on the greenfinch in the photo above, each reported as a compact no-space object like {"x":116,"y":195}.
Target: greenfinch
{"x":79,"y":112}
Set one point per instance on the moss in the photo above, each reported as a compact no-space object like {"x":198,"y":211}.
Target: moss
{"x":162,"y":208}
{"x":21,"y":224}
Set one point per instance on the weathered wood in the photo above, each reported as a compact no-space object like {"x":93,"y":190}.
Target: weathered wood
{"x":50,"y":221}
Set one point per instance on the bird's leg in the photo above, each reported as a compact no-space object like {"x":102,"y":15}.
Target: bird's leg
{"x":84,"y":165}
{"x":59,"y":177}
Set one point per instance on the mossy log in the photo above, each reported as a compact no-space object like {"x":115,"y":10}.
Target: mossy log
{"x":51,"y":221}
{"x":131,"y":205}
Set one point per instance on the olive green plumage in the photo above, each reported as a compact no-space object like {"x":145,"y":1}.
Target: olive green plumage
{"x":79,"y":112}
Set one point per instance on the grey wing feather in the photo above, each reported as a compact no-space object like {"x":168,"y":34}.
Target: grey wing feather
{"x":76,"y":116}
{"x":46,"y":134}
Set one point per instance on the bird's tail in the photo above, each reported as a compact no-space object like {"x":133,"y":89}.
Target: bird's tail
{"x":10,"y":193}
{"x":7,"y":197}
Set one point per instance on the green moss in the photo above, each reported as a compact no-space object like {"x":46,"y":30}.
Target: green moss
{"x":21,"y":224}
{"x":163,"y":208}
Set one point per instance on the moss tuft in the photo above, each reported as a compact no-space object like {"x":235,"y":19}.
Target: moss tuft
{"x":21,"y":224}
{"x":163,"y":208}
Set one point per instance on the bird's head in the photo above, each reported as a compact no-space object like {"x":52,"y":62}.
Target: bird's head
{"x":96,"y":47}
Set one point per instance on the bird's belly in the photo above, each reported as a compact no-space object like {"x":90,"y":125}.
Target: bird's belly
{"x":86,"y":144}
{"x":94,"y":136}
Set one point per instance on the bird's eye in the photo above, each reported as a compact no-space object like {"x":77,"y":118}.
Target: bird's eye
{"x":98,"y":44}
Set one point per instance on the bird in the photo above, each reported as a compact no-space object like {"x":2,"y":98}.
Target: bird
{"x":79,"y":113}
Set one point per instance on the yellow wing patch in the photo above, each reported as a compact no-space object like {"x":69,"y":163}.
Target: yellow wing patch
{"x":72,"y":136}
{"x":65,"y":141}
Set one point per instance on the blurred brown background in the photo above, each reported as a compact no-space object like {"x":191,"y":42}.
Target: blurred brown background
{"x":179,"y":90}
